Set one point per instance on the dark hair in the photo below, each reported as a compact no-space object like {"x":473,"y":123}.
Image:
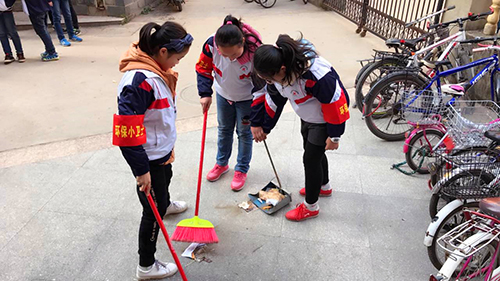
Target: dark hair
{"x":293,"y":54}
{"x":231,"y":33}
{"x":153,"y":37}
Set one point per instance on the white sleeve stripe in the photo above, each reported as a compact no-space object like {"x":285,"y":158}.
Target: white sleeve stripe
{"x":271,"y":103}
{"x":338,"y":92}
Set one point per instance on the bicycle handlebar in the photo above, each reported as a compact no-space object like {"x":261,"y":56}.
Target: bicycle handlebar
{"x":471,"y":17}
{"x":429,"y":16}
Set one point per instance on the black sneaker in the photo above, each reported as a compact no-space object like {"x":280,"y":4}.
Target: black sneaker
{"x":20,"y":57}
{"x":8,"y":59}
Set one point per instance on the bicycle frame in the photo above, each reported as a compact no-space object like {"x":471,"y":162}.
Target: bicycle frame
{"x":490,"y":62}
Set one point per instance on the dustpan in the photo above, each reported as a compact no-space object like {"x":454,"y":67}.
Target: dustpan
{"x":261,"y":204}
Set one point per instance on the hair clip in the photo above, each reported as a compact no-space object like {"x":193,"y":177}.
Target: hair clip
{"x":229,"y":22}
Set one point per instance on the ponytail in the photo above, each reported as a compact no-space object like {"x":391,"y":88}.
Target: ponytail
{"x":293,"y":54}
{"x":170,"y":35}
{"x":231,"y":33}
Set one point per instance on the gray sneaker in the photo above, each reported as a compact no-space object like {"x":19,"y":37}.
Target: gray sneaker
{"x":176,"y":207}
{"x":158,"y":270}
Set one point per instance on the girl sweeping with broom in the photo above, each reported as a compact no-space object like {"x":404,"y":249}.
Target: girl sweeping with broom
{"x":295,"y":72}
{"x":227,"y":58}
{"x":144,"y":128}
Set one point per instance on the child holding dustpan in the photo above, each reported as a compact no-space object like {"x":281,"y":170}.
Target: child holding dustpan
{"x":144,"y":128}
{"x":227,"y":57}
{"x":295,"y":72}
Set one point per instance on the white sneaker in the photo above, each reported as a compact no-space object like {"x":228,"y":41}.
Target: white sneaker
{"x":176,"y":207}
{"x":157,"y":271}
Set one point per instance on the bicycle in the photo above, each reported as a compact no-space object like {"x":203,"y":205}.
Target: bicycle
{"x":384,"y":62}
{"x":473,"y":246}
{"x":412,"y":78}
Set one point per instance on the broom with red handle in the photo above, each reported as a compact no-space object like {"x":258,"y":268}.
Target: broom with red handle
{"x":196,"y":229}
{"x":164,"y":230}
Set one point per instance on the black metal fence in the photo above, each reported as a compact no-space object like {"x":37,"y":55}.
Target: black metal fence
{"x":386,"y":18}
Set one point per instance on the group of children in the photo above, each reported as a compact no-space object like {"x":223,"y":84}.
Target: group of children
{"x":253,"y":82}
{"x":37,"y":11}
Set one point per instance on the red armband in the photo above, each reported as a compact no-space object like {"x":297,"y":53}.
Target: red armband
{"x":128,"y":130}
{"x":337,"y":112}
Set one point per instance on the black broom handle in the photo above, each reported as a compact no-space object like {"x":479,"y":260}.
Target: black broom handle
{"x":272,"y":164}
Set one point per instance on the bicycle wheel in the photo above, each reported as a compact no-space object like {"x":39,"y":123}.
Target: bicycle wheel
{"x":420,"y":149}
{"x":436,"y":254}
{"x":249,"y":1}
{"x":467,"y":178}
{"x":382,"y":109}
{"x":372,"y":74}
{"x":267,"y":3}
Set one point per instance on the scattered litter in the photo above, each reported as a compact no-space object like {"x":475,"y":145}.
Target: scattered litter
{"x":247,"y":206}
{"x":193,"y":252}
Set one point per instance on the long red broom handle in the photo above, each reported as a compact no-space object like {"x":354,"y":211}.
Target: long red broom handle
{"x":167,"y":238}
{"x":200,"y":171}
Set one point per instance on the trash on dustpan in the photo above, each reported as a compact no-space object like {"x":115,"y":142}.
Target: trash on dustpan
{"x":193,"y":252}
{"x":247,"y":205}
{"x":271,"y":196}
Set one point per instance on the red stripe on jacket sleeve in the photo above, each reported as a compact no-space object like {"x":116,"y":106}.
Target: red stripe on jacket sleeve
{"x":145,"y":86}
{"x":259,"y":100}
{"x":159,"y":104}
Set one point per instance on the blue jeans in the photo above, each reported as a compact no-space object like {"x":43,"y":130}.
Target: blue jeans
{"x":38,"y":22}
{"x":58,"y":7}
{"x":230,"y":114}
{"x":8,"y":29}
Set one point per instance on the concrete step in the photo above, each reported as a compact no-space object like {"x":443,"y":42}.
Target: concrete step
{"x":23,"y":21}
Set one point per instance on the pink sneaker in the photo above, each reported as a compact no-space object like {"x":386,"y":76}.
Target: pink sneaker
{"x":238,"y":181}
{"x":216,"y":172}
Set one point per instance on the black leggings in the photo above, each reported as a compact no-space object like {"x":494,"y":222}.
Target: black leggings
{"x":149,"y":229}
{"x":316,"y":170}
{"x":314,"y":159}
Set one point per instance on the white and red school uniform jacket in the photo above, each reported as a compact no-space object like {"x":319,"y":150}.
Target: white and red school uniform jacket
{"x":318,"y":97}
{"x":231,"y":79}
{"x":144,"y":126}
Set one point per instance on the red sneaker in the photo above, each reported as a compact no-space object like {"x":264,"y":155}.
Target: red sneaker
{"x":301,"y":213}
{"x":216,"y":172}
{"x":238,"y":181}
{"x":322,"y":193}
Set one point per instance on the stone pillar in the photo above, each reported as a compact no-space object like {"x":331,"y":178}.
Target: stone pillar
{"x":491,"y":27}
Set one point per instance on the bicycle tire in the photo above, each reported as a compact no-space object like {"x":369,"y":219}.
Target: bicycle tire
{"x":368,"y":73}
{"x":382,"y":88}
{"x":361,"y":71}
{"x":249,"y":1}
{"x":431,"y":250}
{"x":267,"y":3}
{"x":484,"y":176}
{"x":416,"y":140}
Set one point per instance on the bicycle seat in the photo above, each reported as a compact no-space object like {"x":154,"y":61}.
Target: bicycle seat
{"x":393,"y":43}
{"x":490,"y":206}
{"x":453,"y":89}
{"x":494,"y":136}
{"x":412,"y":43}
{"x":435,"y":64}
